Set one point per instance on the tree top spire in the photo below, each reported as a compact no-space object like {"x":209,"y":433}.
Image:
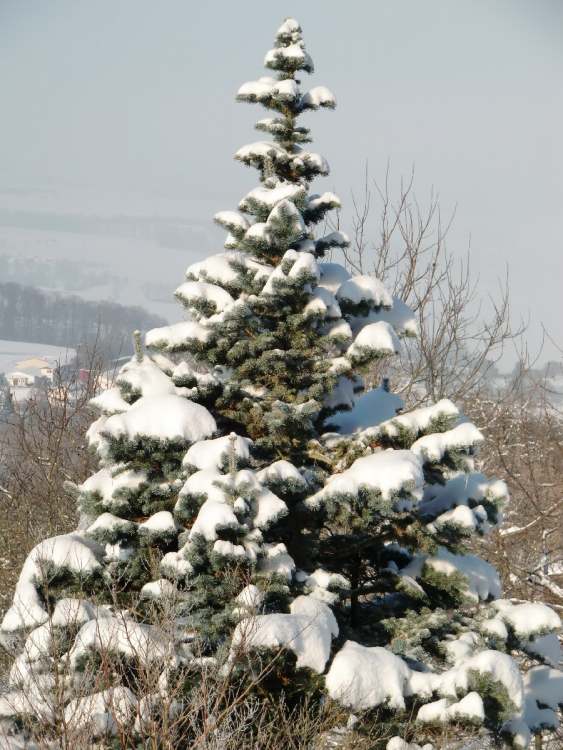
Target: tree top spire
{"x":289,"y":54}
{"x":285,"y":157}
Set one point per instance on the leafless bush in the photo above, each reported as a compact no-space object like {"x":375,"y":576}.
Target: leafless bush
{"x":159,"y":689}
{"x":404,"y":244}
{"x":41,"y":446}
{"x":170,"y":695}
{"x":524,"y":432}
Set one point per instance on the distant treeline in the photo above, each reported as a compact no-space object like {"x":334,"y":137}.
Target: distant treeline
{"x":60,"y":274}
{"x":175,"y":233}
{"x":30,"y":314}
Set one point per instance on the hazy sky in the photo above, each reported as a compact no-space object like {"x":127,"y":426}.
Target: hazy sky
{"x":139,"y":95}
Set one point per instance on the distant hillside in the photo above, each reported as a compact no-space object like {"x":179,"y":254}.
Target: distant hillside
{"x":31,"y":314}
{"x":59,"y":274}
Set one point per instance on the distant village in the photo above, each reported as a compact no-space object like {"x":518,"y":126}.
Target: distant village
{"x":29,"y":376}
{"x":27,"y":373}
{"x":39,"y":371}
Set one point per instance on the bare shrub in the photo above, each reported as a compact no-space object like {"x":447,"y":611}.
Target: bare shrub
{"x":163,"y":693}
{"x":524,"y":434}
{"x":41,"y":446}
{"x":150,"y":684}
{"x":405,"y":245}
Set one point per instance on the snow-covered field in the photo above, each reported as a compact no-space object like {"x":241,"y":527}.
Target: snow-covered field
{"x":138,"y":273}
{"x":104,"y":204}
{"x":142,"y":245}
{"x":12,"y":352}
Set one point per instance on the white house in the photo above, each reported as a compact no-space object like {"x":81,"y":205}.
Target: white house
{"x":38,"y":366}
{"x":20,"y":379}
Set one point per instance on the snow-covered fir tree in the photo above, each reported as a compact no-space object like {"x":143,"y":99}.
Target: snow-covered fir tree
{"x":250,"y":482}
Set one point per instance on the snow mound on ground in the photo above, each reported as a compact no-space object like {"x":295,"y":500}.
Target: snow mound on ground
{"x":397,"y":743}
{"x":69,"y":552}
{"x":101,"y":713}
{"x":308,"y":632}
{"x":528,"y":619}
{"x":120,"y":635}
{"x":362,"y":677}
{"x":276,"y":560}
{"x":441,"y":711}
